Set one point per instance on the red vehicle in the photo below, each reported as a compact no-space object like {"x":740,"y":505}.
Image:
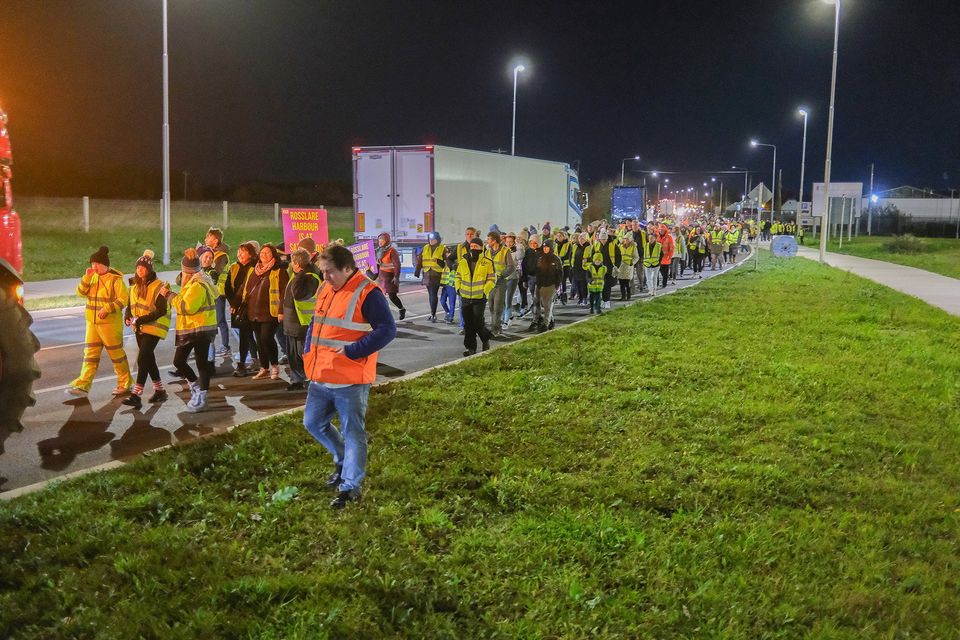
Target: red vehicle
{"x":18,"y":345}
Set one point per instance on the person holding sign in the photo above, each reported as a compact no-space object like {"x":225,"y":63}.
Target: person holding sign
{"x":388,"y":271}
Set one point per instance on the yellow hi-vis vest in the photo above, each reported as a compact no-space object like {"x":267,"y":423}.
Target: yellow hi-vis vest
{"x":432,"y":257}
{"x":147,"y":305}
{"x":305,"y":307}
{"x":109,"y":292}
{"x":499,"y":259}
{"x":478,"y":285}
{"x":196,"y":309}
{"x":564,"y":253}
{"x":275,"y":292}
{"x":651,"y":254}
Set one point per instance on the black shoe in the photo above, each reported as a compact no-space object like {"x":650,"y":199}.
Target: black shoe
{"x":240,"y":372}
{"x":541,"y":328}
{"x":333,"y":481}
{"x":533,"y":325}
{"x":403,"y":313}
{"x":295,"y":386}
{"x":158,"y":396}
{"x":345,"y":497}
{"x":469,"y":352}
{"x":484,"y":345}
{"x":133,"y":401}
{"x":176,"y":375}
{"x":551,"y":325}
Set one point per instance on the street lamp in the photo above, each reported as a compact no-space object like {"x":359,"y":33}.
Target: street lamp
{"x":746,"y":172}
{"x":513,"y":138}
{"x":165,"y":205}
{"x":623,"y":164}
{"x":803,"y":162}
{"x":826,"y":169}
{"x":773,"y":202}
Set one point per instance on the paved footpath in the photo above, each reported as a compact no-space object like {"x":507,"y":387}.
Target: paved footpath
{"x":932,"y":288}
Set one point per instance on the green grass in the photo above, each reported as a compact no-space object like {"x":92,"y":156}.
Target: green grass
{"x":55,"y":246}
{"x":657,"y":472}
{"x":53,"y":302}
{"x":942,"y":254}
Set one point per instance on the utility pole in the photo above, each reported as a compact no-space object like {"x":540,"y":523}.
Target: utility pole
{"x":870,"y":206}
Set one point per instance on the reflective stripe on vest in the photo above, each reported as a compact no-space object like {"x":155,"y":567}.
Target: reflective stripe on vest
{"x":432,"y":257}
{"x":564,"y":254}
{"x":275,"y":292}
{"x":305,"y":307}
{"x":338,"y":322}
{"x":651,"y":254}
{"x":204,"y":319}
{"x":472,"y":285}
{"x":159,"y":327}
{"x":499,"y":259}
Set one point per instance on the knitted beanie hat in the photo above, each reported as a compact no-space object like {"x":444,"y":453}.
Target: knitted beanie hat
{"x":102,"y":256}
{"x":146,"y":260}
{"x":202,"y":250}
{"x":190,"y":263}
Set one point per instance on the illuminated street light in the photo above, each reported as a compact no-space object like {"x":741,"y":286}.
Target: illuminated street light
{"x":773,"y":202}
{"x":826,"y":169}
{"x":623,"y":164}
{"x":513,"y":138}
{"x":803,"y":162}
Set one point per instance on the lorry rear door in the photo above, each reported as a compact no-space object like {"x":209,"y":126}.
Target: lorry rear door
{"x":413,"y":178}
{"x":373,"y":192}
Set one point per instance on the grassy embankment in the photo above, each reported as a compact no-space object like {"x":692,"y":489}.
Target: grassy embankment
{"x":940,"y":255}
{"x":55,"y":246}
{"x":657,"y":472}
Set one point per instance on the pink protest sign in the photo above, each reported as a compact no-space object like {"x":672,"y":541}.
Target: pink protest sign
{"x":304,"y":223}
{"x":365,"y":255}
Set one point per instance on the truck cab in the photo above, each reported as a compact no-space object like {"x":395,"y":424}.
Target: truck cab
{"x":11,"y":249}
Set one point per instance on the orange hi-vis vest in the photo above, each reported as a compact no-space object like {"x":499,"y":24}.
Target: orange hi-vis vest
{"x":338,"y":321}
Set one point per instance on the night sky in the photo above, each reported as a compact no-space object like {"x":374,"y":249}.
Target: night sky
{"x":279,"y":90}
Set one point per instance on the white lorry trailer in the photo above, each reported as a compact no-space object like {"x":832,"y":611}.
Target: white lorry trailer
{"x":409,"y":191}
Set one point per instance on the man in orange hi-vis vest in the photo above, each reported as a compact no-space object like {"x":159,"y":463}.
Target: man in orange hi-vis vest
{"x":351,"y":323}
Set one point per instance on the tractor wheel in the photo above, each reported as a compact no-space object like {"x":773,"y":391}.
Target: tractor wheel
{"x":18,"y":366}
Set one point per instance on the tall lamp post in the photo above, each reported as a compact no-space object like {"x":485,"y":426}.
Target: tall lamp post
{"x":824,"y":221}
{"x":513,"y":137}
{"x":803,"y":163}
{"x":746,"y":172}
{"x":165,"y":206}
{"x":623,"y":164}
{"x":773,"y":201}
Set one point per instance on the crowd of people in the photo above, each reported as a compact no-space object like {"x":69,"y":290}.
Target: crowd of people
{"x":315,"y":310}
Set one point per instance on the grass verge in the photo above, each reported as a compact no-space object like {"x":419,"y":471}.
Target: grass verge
{"x":769,"y":454}
{"x":53,"y":302}
{"x":942,"y":255}
{"x":55,"y":246}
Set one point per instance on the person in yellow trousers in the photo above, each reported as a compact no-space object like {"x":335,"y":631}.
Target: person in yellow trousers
{"x":106,"y":295}
{"x":196,"y":307}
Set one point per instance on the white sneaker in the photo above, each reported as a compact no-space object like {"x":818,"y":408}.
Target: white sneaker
{"x":198,"y":402}
{"x":263,"y":374}
{"x":76,"y":392}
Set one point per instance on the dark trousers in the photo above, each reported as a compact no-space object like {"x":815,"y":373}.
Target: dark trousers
{"x":473,"y":323}
{"x":432,"y":295}
{"x":664,"y":273}
{"x":580,"y":288}
{"x":266,"y":343}
{"x":201,"y":353}
{"x":222,"y":322}
{"x":295,"y":356}
{"x":625,"y":289}
{"x":608,"y":281}
{"x":697,"y":262}
{"x":248,"y":342}
{"x":146,"y":358}
{"x":522,"y":286}
{"x":397,"y":302}
{"x":563,"y":284}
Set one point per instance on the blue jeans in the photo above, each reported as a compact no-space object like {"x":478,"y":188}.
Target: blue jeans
{"x":448,"y":300}
{"x":508,"y":302}
{"x":222,"y":322}
{"x":348,"y":448}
